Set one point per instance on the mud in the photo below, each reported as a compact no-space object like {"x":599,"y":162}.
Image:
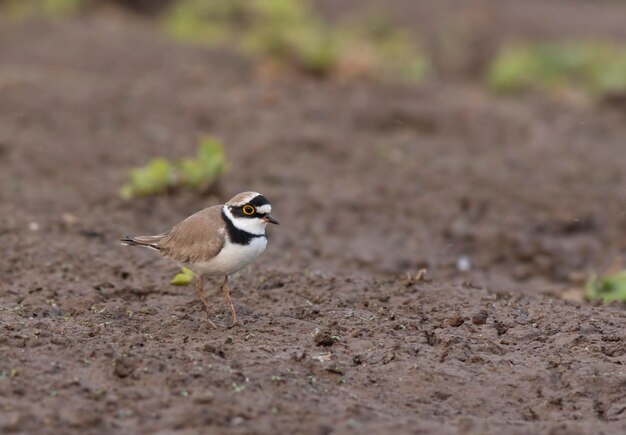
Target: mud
{"x":508,"y":203}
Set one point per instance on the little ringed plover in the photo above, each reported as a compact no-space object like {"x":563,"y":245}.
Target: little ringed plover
{"x":216,"y":241}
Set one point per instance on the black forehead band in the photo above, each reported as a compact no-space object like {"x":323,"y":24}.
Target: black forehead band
{"x":259,"y":201}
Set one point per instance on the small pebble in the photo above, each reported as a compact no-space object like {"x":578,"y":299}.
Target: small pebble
{"x":456,"y":321}
{"x":324,"y":339}
{"x":124,"y":367}
{"x":463,"y":264}
{"x":480,"y":318}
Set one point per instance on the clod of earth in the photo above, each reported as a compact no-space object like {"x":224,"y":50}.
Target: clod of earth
{"x":123,"y":366}
{"x":456,"y":321}
{"x":480,"y":318}
{"x":325,"y":339}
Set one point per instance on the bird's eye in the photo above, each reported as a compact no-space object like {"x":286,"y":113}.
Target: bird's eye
{"x":248,"y":209}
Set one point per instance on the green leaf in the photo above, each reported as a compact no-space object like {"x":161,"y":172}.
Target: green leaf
{"x":595,"y":68}
{"x":160,"y":175}
{"x":608,"y":288}
{"x":152,"y":179}
{"x":202,"y":172}
{"x":183,"y":278}
{"x":22,"y":9}
{"x":292,"y":33}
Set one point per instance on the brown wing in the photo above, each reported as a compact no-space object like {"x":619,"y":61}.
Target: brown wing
{"x":200,"y":237}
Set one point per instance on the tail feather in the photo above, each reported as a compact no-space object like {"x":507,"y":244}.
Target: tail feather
{"x":151,"y":242}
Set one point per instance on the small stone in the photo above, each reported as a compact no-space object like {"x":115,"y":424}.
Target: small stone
{"x":324,"y":339}
{"x":480,"y":318}
{"x":456,"y":321}
{"x":124,"y":367}
{"x":500,"y":328}
{"x":463,"y":264}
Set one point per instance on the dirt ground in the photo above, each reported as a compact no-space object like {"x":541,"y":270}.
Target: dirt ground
{"x":507,"y":202}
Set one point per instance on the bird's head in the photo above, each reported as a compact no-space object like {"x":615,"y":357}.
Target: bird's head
{"x":250,"y":212}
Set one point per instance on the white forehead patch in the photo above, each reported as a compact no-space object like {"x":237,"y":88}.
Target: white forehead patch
{"x":264,"y":209}
{"x":243,"y":198}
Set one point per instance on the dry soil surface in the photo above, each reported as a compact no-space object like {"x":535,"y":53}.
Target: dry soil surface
{"x":506,"y":202}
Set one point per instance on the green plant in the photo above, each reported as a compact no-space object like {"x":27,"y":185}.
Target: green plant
{"x":607,"y":288}
{"x":289,"y":32}
{"x":183,"y":278}
{"x":21,"y":9}
{"x":201,"y":172}
{"x":238,"y":388}
{"x":160,"y":175}
{"x":153,"y":179}
{"x":206,"y":21}
{"x":595,"y":68}
{"x":307,"y":47}
{"x":394,"y":53}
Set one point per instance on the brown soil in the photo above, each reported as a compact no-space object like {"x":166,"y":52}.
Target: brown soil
{"x":370,"y":183}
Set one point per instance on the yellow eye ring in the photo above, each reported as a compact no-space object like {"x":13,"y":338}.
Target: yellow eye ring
{"x":248,"y":210}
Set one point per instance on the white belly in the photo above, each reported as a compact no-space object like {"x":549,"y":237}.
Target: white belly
{"x":232,"y":258}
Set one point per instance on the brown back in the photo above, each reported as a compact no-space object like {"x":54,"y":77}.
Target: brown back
{"x":200,"y":237}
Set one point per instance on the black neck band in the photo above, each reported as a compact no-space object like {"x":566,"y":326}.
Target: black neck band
{"x":235,"y":235}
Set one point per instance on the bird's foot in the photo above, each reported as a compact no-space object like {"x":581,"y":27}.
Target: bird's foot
{"x":235,"y":322}
{"x":210,"y":322}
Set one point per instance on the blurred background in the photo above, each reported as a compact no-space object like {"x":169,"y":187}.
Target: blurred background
{"x":482,"y":141}
{"x":450,"y":180}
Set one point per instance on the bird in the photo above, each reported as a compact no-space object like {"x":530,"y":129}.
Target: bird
{"x":216,"y":241}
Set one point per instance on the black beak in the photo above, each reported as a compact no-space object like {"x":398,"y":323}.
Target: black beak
{"x":270,"y":219}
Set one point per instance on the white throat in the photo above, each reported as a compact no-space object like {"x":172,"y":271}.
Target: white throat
{"x":254,"y":226}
